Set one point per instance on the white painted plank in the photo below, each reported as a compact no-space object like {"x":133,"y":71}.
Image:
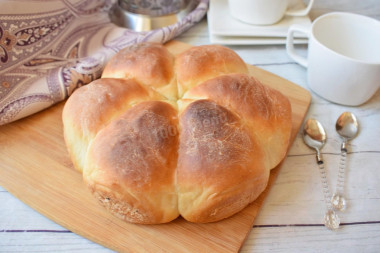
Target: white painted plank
{"x":47,"y":242}
{"x":349,"y":239}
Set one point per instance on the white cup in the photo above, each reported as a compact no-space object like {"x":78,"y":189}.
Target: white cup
{"x":263,"y":12}
{"x":343,"y":59}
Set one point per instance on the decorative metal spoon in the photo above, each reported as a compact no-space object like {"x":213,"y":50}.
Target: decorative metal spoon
{"x":347,"y":127}
{"x":315,"y":137}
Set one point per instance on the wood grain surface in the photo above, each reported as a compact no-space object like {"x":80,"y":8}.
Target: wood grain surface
{"x":37,"y":170}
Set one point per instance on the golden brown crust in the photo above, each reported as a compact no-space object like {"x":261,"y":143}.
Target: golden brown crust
{"x":131,"y":164}
{"x":92,"y":107}
{"x":220,"y":167}
{"x":149,"y":64}
{"x":201,"y":63}
{"x":148,"y":165}
{"x":265,"y":111}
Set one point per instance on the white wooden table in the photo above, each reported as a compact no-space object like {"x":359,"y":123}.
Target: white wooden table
{"x":291,"y":217}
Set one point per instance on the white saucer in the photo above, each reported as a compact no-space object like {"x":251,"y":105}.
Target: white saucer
{"x":224,"y":29}
{"x":240,"y":40}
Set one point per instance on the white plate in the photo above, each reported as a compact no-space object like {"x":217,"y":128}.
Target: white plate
{"x":224,"y":29}
{"x":237,"y":40}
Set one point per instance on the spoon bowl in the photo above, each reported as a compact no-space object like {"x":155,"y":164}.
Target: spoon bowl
{"x":347,"y":125}
{"x":314,"y":134}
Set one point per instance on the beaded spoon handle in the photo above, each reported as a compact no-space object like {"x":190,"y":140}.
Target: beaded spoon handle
{"x":315,"y":137}
{"x":331,"y":219}
{"x":347,"y":127}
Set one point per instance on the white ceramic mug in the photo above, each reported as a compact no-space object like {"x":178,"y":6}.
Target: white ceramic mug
{"x":263,"y":12}
{"x":343,"y":59}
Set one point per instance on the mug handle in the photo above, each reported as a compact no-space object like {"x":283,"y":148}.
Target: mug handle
{"x":302,"y":12}
{"x":290,"y":43}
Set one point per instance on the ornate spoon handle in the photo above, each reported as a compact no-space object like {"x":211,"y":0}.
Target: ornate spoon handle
{"x":337,"y":200}
{"x":331,"y":219}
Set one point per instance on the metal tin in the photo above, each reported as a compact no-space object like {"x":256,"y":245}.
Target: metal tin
{"x":146,"y":15}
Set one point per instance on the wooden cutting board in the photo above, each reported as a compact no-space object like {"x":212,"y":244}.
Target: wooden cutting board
{"x":35,"y":168}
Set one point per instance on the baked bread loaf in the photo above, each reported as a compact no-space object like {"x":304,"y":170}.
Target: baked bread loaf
{"x":163,"y":135}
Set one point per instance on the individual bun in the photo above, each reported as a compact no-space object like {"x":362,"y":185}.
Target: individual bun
{"x":149,"y":64}
{"x":131,"y":166}
{"x":199,"y":64}
{"x":220,"y":167}
{"x":160,"y":135}
{"x":233,"y":131}
{"x":265,"y":111}
{"x":92,"y":107}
